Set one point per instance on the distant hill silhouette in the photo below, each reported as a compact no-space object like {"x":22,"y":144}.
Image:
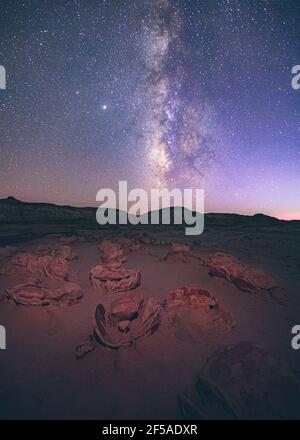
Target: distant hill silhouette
{"x":16,"y":211}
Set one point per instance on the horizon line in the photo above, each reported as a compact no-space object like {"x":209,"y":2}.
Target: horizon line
{"x":283,"y":217}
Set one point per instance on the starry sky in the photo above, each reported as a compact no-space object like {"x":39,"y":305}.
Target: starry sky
{"x":161,"y":93}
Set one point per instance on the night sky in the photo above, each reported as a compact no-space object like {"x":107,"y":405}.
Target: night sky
{"x":162,"y":93}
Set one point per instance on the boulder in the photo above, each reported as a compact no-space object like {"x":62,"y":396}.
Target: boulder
{"x":41,"y":266}
{"x":58,"y":250}
{"x":27,"y":294}
{"x":35,"y":293}
{"x":113,"y":280}
{"x":195,"y":301}
{"x":65,"y":252}
{"x":48,"y":280}
{"x":243,"y":381}
{"x":117,"y":333}
{"x":67,"y":293}
{"x":249,"y":279}
{"x":127,"y":308}
{"x":191,"y":297}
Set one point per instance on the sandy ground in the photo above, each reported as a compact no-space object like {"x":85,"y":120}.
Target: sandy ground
{"x":42,"y":379}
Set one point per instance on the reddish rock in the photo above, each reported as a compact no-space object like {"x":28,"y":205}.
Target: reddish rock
{"x":58,"y":267}
{"x":27,"y":294}
{"x":127,"y":308}
{"x":243,"y":381}
{"x":34,"y":293}
{"x":48,"y":280}
{"x":41,"y":266}
{"x":67,"y":293}
{"x":65,"y":252}
{"x":114,"y":280}
{"x":115,"y":334}
{"x":58,"y":250}
{"x":194,"y":312}
{"x":246,"y":278}
{"x":190,"y":297}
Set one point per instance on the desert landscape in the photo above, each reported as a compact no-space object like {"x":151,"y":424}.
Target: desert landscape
{"x":115,"y":112}
{"x":143,"y":322}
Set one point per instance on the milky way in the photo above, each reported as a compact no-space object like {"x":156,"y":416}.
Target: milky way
{"x":179,"y":137}
{"x":172,"y":93}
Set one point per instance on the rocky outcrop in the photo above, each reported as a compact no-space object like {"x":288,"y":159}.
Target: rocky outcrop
{"x":43,"y":267}
{"x":194,"y":303}
{"x":143,"y":317}
{"x":243,"y":381}
{"x":127,"y":308}
{"x":35,"y":293}
{"x":48,"y":279}
{"x":249,"y":279}
{"x":123,"y":322}
{"x":112,"y":280}
{"x":58,"y":250}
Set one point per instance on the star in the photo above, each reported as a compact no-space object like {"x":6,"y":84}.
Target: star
{"x":174,"y":94}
